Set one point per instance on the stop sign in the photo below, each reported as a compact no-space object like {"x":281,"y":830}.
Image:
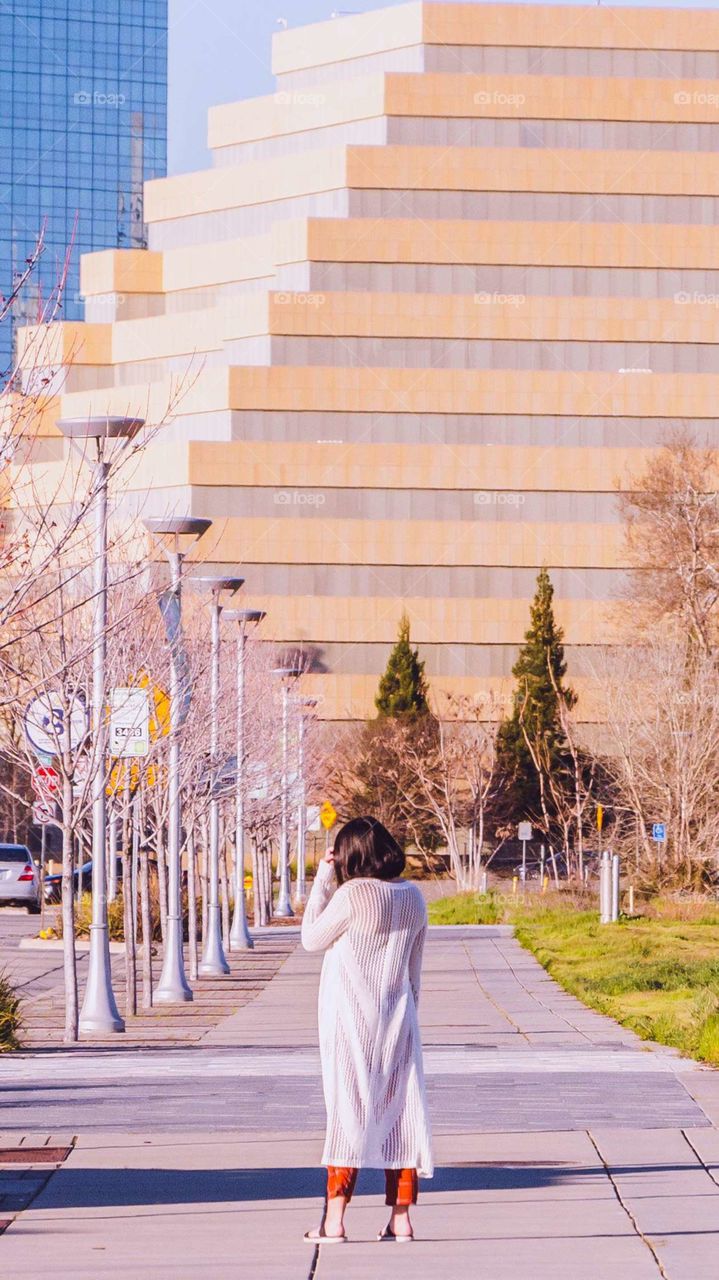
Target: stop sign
{"x":46,"y":780}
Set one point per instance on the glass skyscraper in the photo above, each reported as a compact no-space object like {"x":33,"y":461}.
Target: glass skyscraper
{"x":83,"y":123}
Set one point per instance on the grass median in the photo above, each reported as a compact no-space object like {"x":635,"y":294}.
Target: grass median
{"x":657,"y":973}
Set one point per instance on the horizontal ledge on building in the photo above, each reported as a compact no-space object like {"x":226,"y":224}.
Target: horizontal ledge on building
{"x":389,"y":167}
{"x":480,"y":317}
{"x":545,"y":26}
{"x":462,"y":95}
{"x":398,"y":241}
{"x":429,"y":391}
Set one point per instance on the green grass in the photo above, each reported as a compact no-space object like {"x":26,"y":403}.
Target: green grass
{"x":468,"y":908}
{"x":656,"y":974}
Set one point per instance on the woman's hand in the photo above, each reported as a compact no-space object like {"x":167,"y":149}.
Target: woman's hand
{"x":330,"y":857}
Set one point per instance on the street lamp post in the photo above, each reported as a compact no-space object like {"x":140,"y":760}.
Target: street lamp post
{"x":304,"y":704}
{"x":240,"y":938}
{"x":175,"y":535}
{"x":99,"y":1014}
{"x":284,"y":906}
{"x":112,"y":859}
{"x":213,"y":963}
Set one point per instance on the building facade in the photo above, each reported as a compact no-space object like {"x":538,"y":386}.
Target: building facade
{"x":437,"y":299}
{"x":83,"y":124}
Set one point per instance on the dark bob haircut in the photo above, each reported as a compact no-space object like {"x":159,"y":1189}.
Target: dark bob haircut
{"x":364,"y":849}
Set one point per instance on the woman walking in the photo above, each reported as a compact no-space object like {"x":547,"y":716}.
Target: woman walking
{"x":372,"y":924}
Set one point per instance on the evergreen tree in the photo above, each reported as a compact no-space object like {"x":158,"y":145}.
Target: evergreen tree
{"x":379,"y":781}
{"x":403,"y":687}
{"x":536,"y":706}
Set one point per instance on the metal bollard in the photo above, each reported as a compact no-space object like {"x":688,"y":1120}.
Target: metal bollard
{"x":605,"y":888}
{"x":616,"y":870}
{"x":483,"y":882}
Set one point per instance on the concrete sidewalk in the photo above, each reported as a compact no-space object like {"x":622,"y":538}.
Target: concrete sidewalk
{"x":566,"y":1148}
{"x":539,"y":1205}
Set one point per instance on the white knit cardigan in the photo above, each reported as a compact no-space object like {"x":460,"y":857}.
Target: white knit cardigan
{"x":373,"y":932}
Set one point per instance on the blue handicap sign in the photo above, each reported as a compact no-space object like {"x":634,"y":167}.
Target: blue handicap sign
{"x":659,"y":831}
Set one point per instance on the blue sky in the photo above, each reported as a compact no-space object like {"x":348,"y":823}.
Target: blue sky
{"x":220,"y":51}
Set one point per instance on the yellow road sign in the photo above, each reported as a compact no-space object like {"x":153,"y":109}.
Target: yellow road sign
{"x":328,"y":815}
{"x":600,"y":817}
{"x":159,"y":706}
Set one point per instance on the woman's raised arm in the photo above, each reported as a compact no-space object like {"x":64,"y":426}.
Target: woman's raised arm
{"x":326,"y":914}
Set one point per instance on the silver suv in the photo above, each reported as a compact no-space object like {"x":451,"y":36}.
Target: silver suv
{"x":19,"y":877}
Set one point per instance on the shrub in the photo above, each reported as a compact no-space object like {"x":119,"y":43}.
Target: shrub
{"x":10,"y":1017}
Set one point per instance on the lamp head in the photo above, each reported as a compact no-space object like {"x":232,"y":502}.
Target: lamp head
{"x":103,"y":428}
{"x":176,"y":533}
{"x":110,"y":434}
{"x":244,"y":616}
{"x":217,"y":583}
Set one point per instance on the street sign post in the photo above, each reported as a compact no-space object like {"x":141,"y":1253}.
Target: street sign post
{"x":524,"y":833}
{"x":129,"y":723}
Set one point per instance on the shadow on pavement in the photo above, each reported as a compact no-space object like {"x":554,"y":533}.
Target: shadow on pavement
{"x":106,"y":1188}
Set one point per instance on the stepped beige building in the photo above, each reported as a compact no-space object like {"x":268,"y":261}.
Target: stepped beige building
{"x":440,"y":294}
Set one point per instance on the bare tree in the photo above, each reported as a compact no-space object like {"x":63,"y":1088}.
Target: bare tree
{"x":455,"y":774}
{"x":671,"y":520}
{"x":662,"y":706}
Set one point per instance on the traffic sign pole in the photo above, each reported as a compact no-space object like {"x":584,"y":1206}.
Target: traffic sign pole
{"x":524,"y":833}
{"x":43,"y":855}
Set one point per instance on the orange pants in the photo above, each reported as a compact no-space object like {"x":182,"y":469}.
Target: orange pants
{"x":400,"y":1185}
